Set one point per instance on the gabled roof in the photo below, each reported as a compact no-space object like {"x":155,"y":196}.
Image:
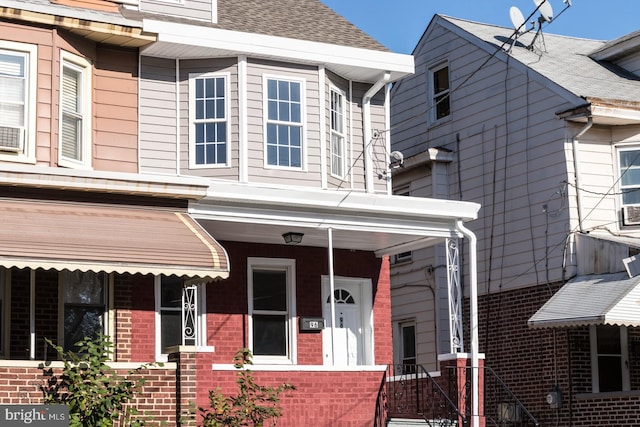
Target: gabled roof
{"x":297,"y":19}
{"x":308,"y":20}
{"x":563,"y":61}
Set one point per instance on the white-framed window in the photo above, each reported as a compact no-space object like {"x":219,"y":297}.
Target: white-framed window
{"x":338,"y":145}
{"x":272,"y":309}
{"x":180,"y":314}
{"x":284,"y":124}
{"x":18,"y":86}
{"x":406,"y":345}
{"x":75,"y":111}
{"x":83,"y":305}
{"x":609,"y":358}
{"x":629,"y":169}
{"x":209,"y":120}
{"x":440,"y":102}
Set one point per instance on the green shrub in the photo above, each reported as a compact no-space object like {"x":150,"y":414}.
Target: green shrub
{"x":252,"y":406}
{"x":95,"y":394}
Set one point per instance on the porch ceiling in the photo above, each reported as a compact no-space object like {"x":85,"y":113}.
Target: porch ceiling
{"x":112,"y":238}
{"x":383,"y":224}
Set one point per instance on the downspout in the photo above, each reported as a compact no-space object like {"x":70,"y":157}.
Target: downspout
{"x":576,"y":169}
{"x":473,"y":320}
{"x":366,"y":131}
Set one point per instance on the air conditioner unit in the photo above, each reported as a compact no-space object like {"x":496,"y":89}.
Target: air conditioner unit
{"x":631,"y":215}
{"x":509,"y":412}
{"x":11,"y":139}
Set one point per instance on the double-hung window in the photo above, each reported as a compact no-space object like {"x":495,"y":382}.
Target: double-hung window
{"x":440,"y":90}
{"x":609,"y":358}
{"x":180,"y":314}
{"x":75,"y":111}
{"x":630,"y":176}
{"x":337,"y":134}
{"x":17,"y":99}
{"x":284,"y":123}
{"x":208,"y":113}
{"x":271,"y":292}
{"x":84,"y":306}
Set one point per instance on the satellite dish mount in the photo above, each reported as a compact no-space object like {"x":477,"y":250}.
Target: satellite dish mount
{"x":546,"y":15}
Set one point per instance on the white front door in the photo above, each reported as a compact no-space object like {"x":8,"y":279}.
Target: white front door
{"x":350,"y":344}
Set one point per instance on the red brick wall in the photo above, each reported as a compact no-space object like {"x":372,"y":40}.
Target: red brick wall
{"x":321,"y":399}
{"x":22,"y":386}
{"x":227,"y":300}
{"x":532,"y":361}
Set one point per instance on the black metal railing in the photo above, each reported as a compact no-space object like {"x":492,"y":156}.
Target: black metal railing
{"x":501,"y":408}
{"x":412,"y":393}
{"x":380,"y":419}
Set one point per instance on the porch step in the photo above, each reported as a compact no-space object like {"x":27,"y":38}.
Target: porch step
{"x":413,"y":422}
{"x":406,"y":422}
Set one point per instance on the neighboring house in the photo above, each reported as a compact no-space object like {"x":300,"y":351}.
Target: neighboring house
{"x":544,"y":133}
{"x":161,"y":161}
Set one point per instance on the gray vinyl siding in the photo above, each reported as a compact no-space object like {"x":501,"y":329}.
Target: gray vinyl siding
{"x":309,"y":176}
{"x":194,"y":9}
{"x":523,"y":138}
{"x":227,"y":66}
{"x":158,"y":136}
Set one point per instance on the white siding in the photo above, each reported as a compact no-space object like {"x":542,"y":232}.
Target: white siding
{"x":194,"y":9}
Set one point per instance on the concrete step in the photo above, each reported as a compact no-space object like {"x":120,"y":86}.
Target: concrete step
{"x":412,"y":422}
{"x":406,"y":422}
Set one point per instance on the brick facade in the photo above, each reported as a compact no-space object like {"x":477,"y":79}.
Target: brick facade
{"x":324,"y":396}
{"x":532,"y":362}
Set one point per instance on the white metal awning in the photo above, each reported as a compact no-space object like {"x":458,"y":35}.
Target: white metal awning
{"x":606,"y":299}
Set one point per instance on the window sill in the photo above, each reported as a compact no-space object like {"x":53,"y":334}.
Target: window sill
{"x":608,"y":395}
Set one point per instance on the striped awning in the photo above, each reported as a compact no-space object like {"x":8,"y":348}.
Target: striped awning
{"x":111,"y":238}
{"x":606,"y":299}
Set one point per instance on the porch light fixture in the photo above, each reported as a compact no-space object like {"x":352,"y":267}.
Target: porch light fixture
{"x":292,"y":238}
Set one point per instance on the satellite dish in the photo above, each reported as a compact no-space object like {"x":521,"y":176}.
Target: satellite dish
{"x":545,"y":9}
{"x":517,"y":19}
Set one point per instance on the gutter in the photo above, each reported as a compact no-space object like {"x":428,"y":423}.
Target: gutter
{"x":367,"y":131}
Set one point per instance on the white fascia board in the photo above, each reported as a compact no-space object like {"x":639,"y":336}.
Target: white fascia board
{"x":101,"y":181}
{"x":345,"y":221}
{"x":73,"y":12}
{"x":632,"y":116}
{"x":400,"y":207}
{"x":286,"y":48}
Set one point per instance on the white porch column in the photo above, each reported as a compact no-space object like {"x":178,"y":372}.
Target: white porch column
{"x":332,"y":303}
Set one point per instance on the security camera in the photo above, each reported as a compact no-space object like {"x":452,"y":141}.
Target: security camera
{"x":396,"y":160}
